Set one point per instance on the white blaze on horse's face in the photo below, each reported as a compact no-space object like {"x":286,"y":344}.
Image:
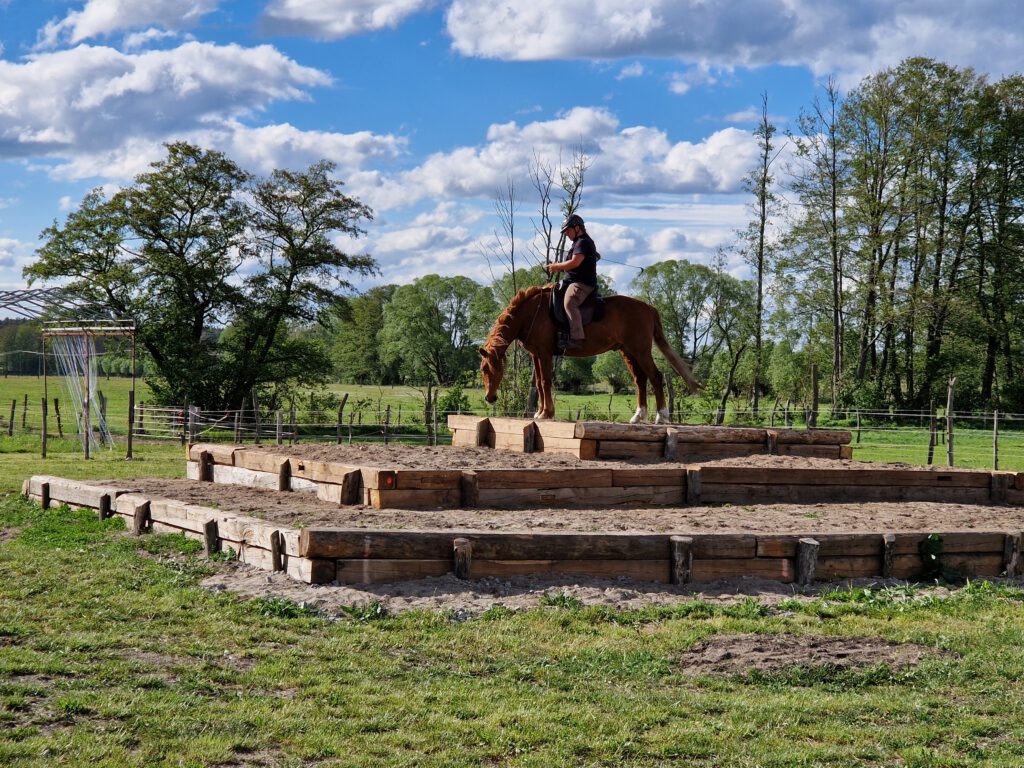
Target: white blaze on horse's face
{"x":492,"y":368}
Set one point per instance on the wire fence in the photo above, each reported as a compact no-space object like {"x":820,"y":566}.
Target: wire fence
{"x":991,"y":440}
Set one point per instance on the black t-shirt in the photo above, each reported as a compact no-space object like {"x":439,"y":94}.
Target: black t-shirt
{"x":586,"y":272}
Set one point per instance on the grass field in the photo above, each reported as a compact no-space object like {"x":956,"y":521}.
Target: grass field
{"x":111,"y":655}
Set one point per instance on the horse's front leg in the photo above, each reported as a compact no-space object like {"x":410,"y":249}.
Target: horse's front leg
{"x":542,"y":369}
{"x":640,"y":381}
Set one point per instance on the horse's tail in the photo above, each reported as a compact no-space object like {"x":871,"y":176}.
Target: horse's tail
{"x":672,"y":356}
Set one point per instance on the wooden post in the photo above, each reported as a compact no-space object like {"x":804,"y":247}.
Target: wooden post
{"x":806,"y":560}
{"x":932,"y":427}
{"x":211,"y":538}
{"x":858,"y":427}
{"x":949,"y":422}
{"x":995,"y":440}
{"x":184,"y":422}
{"x":812,"y":420}
{"x":238,"y":425}
{"x":284,"y":476}
{"x":24,"y":414}
{"x":56,"y":412}
{"x":294,"y":427}
{"x":105,"y":505}
{"x":772,"y":441}
{"x":681,"y":550}
{"x":693,"y":486}
{"x":341,"y":410}
{"x":671,"y":444}
{"x":463,"y":556}
{"x":888,"y":554}
{"x":279,"y":424}
{"x":45,"y":427}
{"x":44,"y":495}
{"x":10,"y":424}
{"x":256,"y":414}
{"x":1012,"y":544}
{"x":206,"y":467}
{"x":141,"y":519}
{"x":131,"y":424}
{"x":351,"y":416}
{"x":469,"y":489}
{"x":276,"y":552}
{"x":387,"y":423}
{"x":103,"y":404}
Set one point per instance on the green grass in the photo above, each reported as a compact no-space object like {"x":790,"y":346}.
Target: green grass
{"x":111,"y":655}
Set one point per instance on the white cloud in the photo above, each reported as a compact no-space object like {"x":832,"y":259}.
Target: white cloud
{"x":849,"y":37}
{"x":334,"y":19}
{"x":104,"y":17}
{"x":629,"y":71}
{"x":91,"y":104}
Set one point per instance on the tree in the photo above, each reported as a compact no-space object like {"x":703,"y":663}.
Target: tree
{"x":168,"y":251}
{"x":756,"y":237}
{"x":427,"y":329}
{"x":817,"y":246}
{"x":353,"y":335}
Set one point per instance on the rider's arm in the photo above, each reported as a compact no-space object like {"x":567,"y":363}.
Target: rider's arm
{"x":564,"y":266}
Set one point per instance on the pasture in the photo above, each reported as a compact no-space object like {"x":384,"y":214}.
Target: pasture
{"x":112,"y":653}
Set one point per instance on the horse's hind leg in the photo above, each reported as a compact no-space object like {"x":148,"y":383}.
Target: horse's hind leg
{"x":640,"y":380}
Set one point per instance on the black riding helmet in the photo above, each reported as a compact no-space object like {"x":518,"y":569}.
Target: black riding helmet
{"x":573,"y":221}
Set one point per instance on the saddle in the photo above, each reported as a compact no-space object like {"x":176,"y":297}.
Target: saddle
{"x":591,"y":309}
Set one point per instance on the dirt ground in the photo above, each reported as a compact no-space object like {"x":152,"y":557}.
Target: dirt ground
{"x":463,"y":600}
{"x":295,"y":509}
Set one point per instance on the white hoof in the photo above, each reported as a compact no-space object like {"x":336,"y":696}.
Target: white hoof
{"x":538,"y":416}
{"x":662,"y":417}
{"x":640,"y":416}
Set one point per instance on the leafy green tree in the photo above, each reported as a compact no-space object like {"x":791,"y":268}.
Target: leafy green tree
{"x":426,"y":329}
{"x":611,"y":368}
{"x":353,"y":333}
{"x":168,"y":251}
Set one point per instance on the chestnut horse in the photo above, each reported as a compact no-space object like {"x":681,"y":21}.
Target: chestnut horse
{"x":629,"y":326}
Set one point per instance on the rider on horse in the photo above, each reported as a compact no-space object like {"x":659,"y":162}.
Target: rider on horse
{"x":580,"y":276}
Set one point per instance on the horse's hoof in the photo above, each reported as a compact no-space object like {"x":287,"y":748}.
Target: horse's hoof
{"x":663,"y":417}
{"x":639,"y":417}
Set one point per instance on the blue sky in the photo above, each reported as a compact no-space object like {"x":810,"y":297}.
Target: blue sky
{"x":429,"y":107}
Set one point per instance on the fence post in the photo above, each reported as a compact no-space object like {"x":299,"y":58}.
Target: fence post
{"x":131,"y":423}
{"x":193,"y":423}
{"x":184,"y":422}
{"x":44,"y":427}
{"x":995,"y":439}
{"x":387,"y":423}
{"x":279,"y":424}
{"x":812,"y":421}
{"x":24,"y":414}
{"x":949,"y":422}
{"x":10,"y":425}
{"x":858,"y":426}
{"x":341,"y":409}
{"x":932,"y":429}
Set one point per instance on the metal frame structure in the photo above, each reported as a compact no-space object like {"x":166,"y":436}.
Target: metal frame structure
{"x":64,"y":316}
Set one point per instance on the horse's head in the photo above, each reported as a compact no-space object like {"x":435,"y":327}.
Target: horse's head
{"x":492,"y":368}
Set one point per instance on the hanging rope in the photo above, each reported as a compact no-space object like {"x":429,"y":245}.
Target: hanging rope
{"x":76,"y":362}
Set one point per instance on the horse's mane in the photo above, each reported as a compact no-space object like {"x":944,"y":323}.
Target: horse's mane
{"x":501,"y":333}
